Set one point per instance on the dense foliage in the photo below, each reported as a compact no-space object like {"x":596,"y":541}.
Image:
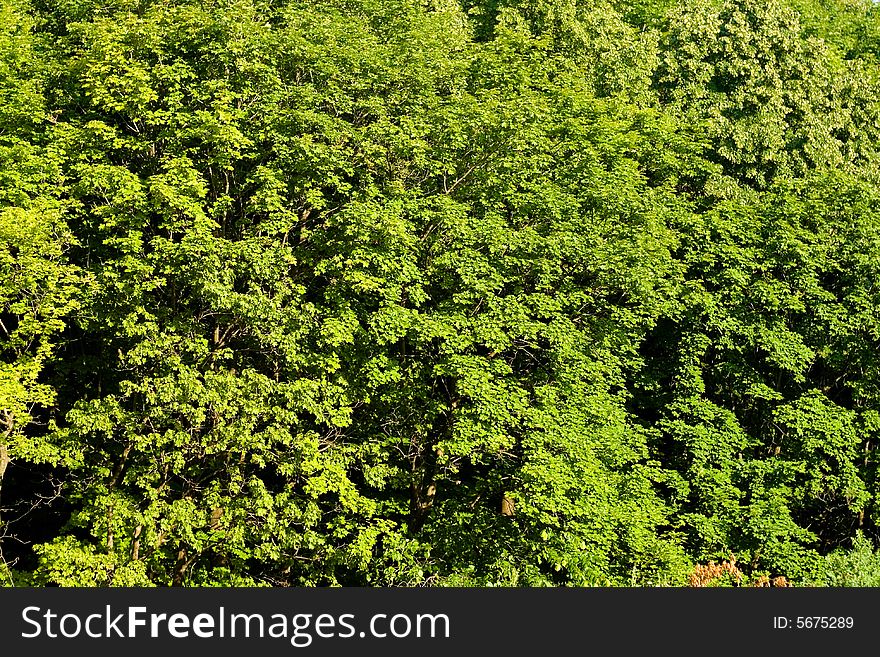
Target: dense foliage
{"x":429,"y":292}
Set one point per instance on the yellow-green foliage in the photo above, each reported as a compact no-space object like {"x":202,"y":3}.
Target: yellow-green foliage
{"x":386,"y":292}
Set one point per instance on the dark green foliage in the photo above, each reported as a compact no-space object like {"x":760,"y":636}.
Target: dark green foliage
{"x":403,"y":293}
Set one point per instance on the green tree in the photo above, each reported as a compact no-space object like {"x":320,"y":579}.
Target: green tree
{"x":772,"y":101}
{"x":37,"y":284}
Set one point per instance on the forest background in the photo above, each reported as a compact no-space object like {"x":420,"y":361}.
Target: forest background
{"x":404,"y":292}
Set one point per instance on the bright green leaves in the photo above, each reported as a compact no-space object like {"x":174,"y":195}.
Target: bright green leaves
{"x":21,"y":100}
{"x":37,"y":290}
{"x":764,"y":400}
{"x":113,"y":82}
{"x":826,"y":437}
{"x":390,"y":294}
{"x":38,"y":285}
{"x":774,"y":102}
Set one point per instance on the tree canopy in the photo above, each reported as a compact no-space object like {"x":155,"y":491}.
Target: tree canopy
{"x":398,"y":292}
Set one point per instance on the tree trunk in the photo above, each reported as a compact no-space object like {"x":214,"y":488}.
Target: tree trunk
{"x":4,"y":461}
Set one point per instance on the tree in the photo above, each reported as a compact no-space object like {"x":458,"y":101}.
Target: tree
{"x":37,"y":284}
